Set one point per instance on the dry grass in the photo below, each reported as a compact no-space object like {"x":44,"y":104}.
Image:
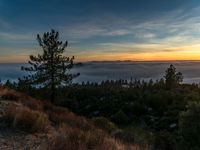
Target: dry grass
{"x":70,"y":119}
{"x":67,"y":138}
{"x":12,"y":95}
{"x":104,"y":124}
{"x":25,"y":118}
{"x":59,"y":115}
{"x":69,"y":131}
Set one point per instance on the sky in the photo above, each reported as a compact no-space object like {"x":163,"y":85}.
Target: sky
{"x":98,"y":30}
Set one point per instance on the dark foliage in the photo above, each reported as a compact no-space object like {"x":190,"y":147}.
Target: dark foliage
{"x":172,"y":78}
{"x":189,"y":127}
{"x":49,"y":69}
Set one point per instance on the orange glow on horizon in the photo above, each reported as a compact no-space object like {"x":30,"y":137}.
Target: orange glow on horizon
{"x":190,"y":52}
{"x":145,"y":56}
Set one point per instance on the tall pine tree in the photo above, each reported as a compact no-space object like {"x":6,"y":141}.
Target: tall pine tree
{"x":50,"y":69}
{"x":172,"y":78}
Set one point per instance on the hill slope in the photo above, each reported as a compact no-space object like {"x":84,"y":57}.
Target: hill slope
{"x":27,"y":123}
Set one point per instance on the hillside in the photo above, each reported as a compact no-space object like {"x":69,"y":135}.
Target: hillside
{"x":28,"y":123}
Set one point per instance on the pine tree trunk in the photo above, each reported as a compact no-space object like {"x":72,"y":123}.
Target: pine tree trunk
{"x":52,"y":94}
{"x":52,"y":80}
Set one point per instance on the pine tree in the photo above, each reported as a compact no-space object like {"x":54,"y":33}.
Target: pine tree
{"x":50,"y":69}
{"x":172,"y":78}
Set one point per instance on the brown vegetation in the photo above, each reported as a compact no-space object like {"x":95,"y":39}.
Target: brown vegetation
{"x":65,"y":130}
{"x":25,"y":118}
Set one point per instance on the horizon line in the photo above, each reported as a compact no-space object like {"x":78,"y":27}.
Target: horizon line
{"x":113,"y":61}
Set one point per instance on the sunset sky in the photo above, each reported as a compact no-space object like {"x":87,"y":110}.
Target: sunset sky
{"x":103,"y":29}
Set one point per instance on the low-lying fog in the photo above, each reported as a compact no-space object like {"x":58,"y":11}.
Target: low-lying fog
{"x":98,"y":71}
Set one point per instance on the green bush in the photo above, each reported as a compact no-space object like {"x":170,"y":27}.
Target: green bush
{"x":120,"y":118}
{"x":189,"y":127}
{"x":164,"y":141}
{"x":104,"y":123}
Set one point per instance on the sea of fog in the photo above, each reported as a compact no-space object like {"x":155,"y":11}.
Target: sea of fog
{"x":98,"y":71}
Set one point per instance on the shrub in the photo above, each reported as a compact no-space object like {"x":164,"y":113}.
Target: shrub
{"x":59,"y":115}
{"x":10,"y":96}
{"x":31,"y":102}
{"x":120,"y":118}
{"x":26,"y":100}
{"x":125,"y":136}
{"x":189,"y":127}
{"x":50,"y":107}
{"x":164,"y":141}
{"x":25,"y":118}
{"x":68,"y":138}
{"x":104,"y":123}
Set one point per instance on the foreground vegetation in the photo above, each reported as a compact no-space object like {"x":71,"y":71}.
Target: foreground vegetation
{"x":162,"y":114}
{"x":63,"y":129}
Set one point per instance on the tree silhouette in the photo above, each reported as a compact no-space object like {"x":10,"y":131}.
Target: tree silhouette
{"x":50,"y":69}
{"x":172,"y":78}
